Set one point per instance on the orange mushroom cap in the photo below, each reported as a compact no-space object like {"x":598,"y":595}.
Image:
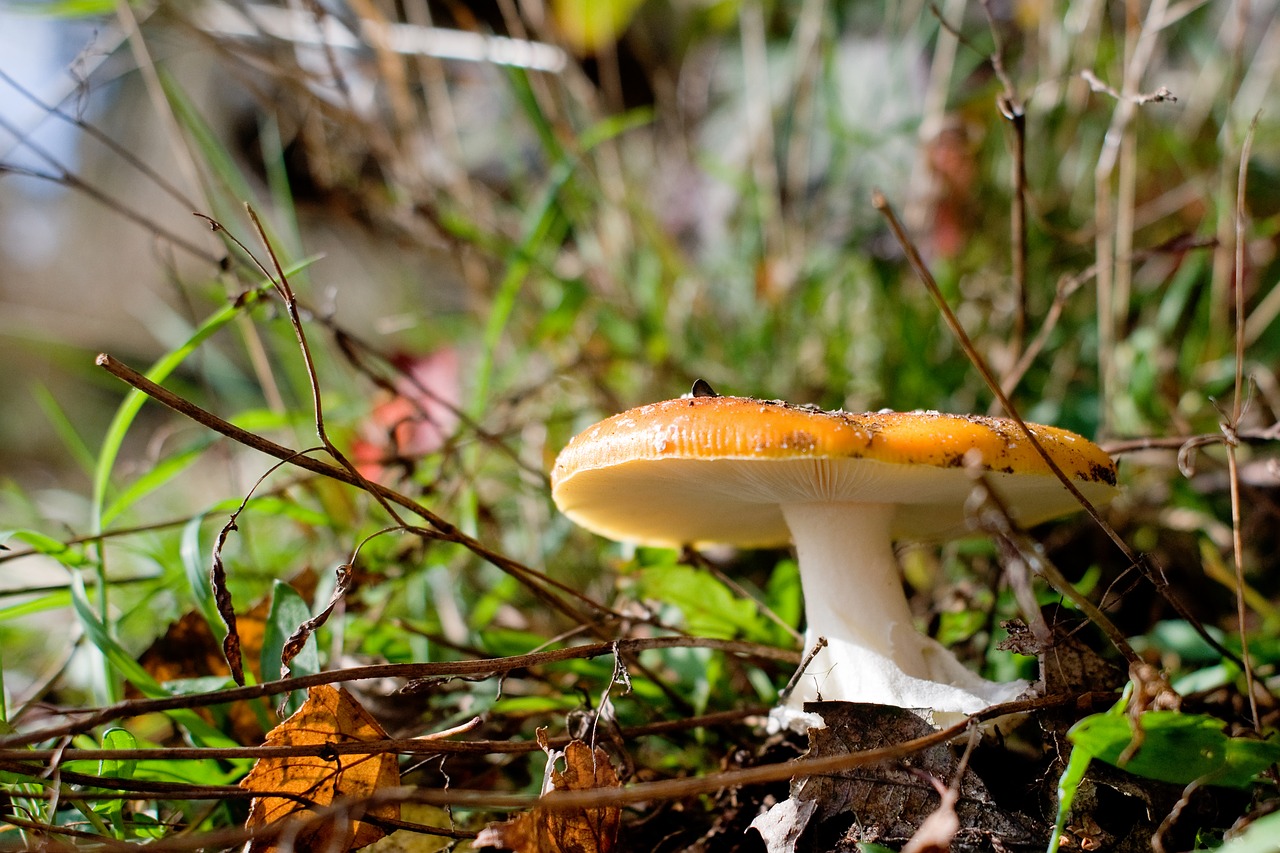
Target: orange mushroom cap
{"x":718,"y":469}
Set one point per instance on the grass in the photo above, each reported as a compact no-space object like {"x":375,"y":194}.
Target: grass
{"x":614,"y":237}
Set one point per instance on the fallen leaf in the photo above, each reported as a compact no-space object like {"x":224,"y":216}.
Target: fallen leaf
{"x":782,"y":824}
{"x":188,"y":649}
{"x":888,"y":803}
{"x":329,"y":716}
{"x":1068,"y":664}
{"x":551,"y":830}
{"x":413,"y":841}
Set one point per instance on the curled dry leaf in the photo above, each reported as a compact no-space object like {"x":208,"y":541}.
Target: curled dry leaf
{"x":546,"y":829}
{"x":329,"y":716}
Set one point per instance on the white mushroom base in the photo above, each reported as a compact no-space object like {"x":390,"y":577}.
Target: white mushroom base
{"x":852,"y":673}
{"x":853,"y":596}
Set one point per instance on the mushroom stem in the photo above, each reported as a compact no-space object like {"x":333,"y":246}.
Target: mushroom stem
{"x":854,"y":597}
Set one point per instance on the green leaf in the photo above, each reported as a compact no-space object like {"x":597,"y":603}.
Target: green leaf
{"x":956,"y":626}
{"x":592,"y":25}
{"x":112,"y":811}
{"x":1177,"y":748}
{"x":710,"y":608}
{"x":1176,"y":635}
{"x":521,"y":705}
{"x":67,"y":8}
{"x":63,"y":426}
{"x":784,"y":594}
{"x":68,"y":555}
{"x":193,"y":771}
{"x":288,"y":611}
{"x":1068,"y":784}
{"x":118,"y":738}
{"x":49,"y":601}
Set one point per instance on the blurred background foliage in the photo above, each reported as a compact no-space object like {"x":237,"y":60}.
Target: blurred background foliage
{"x":505,"y":220}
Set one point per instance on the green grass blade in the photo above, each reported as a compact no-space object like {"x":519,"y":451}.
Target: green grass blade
{"x":123,"y":662}
{"x":40,"y":604}
{"x":67,"y":555}
{"x":66,"y":431}
{"x":157,"y":476}
{"x":132,"y":404}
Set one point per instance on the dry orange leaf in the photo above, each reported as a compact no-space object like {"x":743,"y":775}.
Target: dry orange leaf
{"x":550,"y":830}
{"x":329,"y":716}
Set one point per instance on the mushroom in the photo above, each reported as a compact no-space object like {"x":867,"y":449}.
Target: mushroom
{"x":842,"y":488}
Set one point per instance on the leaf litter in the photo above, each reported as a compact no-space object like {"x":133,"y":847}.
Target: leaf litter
{"x":292,"y":790}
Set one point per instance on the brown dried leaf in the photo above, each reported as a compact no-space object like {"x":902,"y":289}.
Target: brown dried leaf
{"x":188,"y":649}
{"x":226,"y":607}
{"x":891,"y":802}
{"x":330,"y":715}
{"x":551,"y":830}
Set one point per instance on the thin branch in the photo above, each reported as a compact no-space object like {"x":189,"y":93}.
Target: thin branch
{"x":1000,"y":523}
{"x":68,"y":179}
{"x":1179,"y":442}
{"x":1159,"y":96}
{"x":1067,"y":286}
{"x":1112,"y":281}
{"x":426,"y":745}
{"x":881,"y":204}
{"x":90,"y":717}
{"x":91,"y":130}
